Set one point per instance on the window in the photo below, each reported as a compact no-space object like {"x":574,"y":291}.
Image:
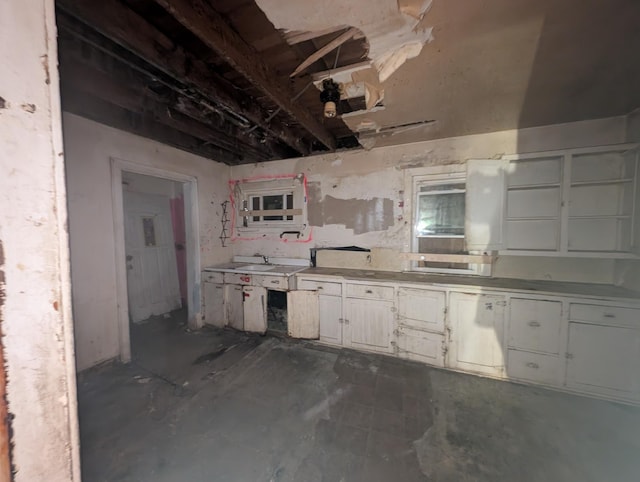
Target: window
{"x":439,"y":197}
{"x":273,"y":206}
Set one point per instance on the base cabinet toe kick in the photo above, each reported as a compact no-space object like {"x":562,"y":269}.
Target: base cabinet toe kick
{"x":579,"y":344}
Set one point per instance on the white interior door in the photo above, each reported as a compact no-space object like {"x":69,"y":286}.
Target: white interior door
{"x":152,"y":272}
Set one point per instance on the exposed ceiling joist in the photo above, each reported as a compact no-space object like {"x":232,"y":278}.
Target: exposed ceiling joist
{"x":211,"y":28}
{"x":136,"y":99}
{"x":130,"y":30}
{"x":296,"y":36}
{"x":321,"y":52}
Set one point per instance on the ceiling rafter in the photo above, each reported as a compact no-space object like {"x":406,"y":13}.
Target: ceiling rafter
{"x":211,"y":28}
{"x":128,"y":29}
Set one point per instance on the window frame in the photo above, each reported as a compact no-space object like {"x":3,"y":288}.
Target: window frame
{"x":436,"y":175}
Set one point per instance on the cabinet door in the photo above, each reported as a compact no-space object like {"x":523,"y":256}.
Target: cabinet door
{"x":421,"y":309}
{"x":234,"y":306}
{"x":604,"y":359}
{"x":534,"y":325}
{"x":484,"y":204}
{"x":477,"y":333}
{"x":369,"y":324}
{"x":214,"y":304}
{"x":255,"y":309}
{"x":330,"y":308}
{"x":302,"y":314}
{"x":420,"y":346}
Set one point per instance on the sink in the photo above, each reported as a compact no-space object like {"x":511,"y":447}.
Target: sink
{"x":256,"y":267}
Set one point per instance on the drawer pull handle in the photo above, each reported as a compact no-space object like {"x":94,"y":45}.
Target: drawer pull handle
{"x":275,"y":282}
{"x":609,"y":315}
{"x":534,"y":324}
{"x":370,"y":292}
{"x":533,"y":365}
{"x":320,"y":288}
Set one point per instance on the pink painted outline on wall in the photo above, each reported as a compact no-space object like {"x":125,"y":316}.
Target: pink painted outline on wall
{"x":234,"y":182}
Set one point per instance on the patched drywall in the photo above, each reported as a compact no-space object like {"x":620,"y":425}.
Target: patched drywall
{"x":37,"y":328}
{"x":360,"y":215}
{"x":341,"y":183}
{"x":89,"y":149}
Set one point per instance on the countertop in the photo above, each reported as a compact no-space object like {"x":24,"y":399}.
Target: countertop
{"x":276,"y":270}
{"x":506,"y":284}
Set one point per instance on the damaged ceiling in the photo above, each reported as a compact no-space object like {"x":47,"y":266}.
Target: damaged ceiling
{"x":239,"y":80}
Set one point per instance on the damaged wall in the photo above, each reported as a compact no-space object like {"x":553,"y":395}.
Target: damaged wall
{"x":35,"y":298}
{"x":357,"y":198}
{"x":89,"y":147}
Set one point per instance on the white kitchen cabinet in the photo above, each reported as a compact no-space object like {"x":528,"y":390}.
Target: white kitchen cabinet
{"x":484,"y":204}
{"x":234,"y":306}
{"x":604,"y":360}
{"x":422,"y":309}
{"x":368,"y":324}
{"x":331,"y":321}
{"x":421,"y":323}
{"x":255,"y":309}
{"x":420,"y":345}
{"x":303,"y":315}
{"x":214,"y":304}
{"x":534,"y":325}
{"x":477,"y":333}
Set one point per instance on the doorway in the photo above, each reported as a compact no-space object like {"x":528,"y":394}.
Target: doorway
{"x":157,"y":249}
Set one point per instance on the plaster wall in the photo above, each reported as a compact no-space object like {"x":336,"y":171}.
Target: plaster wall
{"x":357,"y":198}
{"x":35,"y":309}
{"x":89,"y":148}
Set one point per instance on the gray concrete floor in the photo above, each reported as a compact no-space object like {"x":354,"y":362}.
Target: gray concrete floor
{"x":217,"y":405}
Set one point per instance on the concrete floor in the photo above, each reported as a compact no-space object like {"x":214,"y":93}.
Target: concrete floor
{"x":224,"y":406}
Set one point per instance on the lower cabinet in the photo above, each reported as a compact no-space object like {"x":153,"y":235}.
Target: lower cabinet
{"x":255,"y":309}
{"x":331,"y":321}
{"x":477,"y":333}
{"x":420,"y":345}
{"x":214,"y":304}
{"x":234,"y":306}
{"x":368,"y":324}
{"x":604,"y":360}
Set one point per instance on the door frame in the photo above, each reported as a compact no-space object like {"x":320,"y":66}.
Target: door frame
{"x":192,"y":229}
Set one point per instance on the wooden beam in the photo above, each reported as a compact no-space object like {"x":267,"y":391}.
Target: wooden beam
{"x":85,"y":105}
{"x":321,"y":52}
{"x":136,"y":98}
{"x":297,"y":36}
{"x":123,"y":26}
{"x":209,"y":26}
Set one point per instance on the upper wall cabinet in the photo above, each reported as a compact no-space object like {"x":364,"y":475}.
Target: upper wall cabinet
{"x":580,"y":202}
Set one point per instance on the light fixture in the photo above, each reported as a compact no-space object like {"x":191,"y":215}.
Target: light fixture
{"x":330,"y":96}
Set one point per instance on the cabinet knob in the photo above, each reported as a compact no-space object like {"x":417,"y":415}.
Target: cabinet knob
{"x":609,"y":315}
{"x":533,"y":365}
{"x":370,"y":292}
{"x":534,"y":324}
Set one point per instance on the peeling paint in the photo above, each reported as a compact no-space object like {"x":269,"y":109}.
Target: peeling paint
{"x":30,"y":108}
{"x":390,"y":26}
{"x":3,"y":103}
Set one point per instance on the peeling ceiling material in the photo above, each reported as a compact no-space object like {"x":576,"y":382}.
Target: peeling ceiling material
{"x":390,"y":26}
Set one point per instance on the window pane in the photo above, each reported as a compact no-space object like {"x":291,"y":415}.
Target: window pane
{"x":441,"y":214}
{"x":289,"y":205}
{"x":149,"y":230}
{"x":273,"y":202}
{"x":255,"y":206}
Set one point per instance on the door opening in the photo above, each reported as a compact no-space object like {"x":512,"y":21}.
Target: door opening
{"x":157,"y":251}
{"x":277,"y":311}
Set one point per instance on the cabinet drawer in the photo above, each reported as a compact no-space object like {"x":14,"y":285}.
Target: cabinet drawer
{"x":420,"y":346}
{"x":606,"y":315}
{"x":238,"y":279}
{"x":421,"y":309}
{"x":370,"y":291}
{"x":212,"y":277}
{"x":323,"y":287}
{"x":533,"y":367}
{"x":535,"y":324}
{"x":271,"y":282}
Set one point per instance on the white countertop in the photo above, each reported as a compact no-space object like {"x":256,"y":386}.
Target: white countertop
{"x":265,"y":269}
